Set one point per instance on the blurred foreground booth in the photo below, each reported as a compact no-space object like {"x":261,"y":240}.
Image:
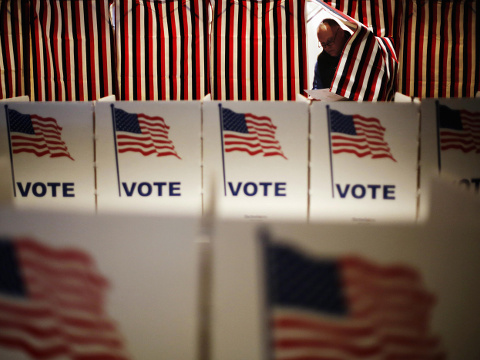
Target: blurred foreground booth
{"x":124,"y":286}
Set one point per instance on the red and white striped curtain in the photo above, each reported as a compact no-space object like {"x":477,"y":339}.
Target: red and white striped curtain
{"x":382,"y":17}
{"x":439,"y":53}
{"x":162,"y":49}
{"x":258,"y":49}
{"x":14,"y":48}
{"x":72,"y":48}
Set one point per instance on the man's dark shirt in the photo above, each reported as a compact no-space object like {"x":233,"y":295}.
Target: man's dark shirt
{"x":325,"y":69}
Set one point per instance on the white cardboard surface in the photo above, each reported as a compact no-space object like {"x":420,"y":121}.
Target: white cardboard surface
{"x":160,"y":185}
{"x":365,"y":189}
{"x":259,"y":187}
{"x":54,"y":182}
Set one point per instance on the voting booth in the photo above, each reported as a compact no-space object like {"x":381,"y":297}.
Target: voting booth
{"x":256,"y":155}
{"x":148,"y":157}
{"x":450,"y":146}
{"x":364,"y":162}
{"x":50,"y":150}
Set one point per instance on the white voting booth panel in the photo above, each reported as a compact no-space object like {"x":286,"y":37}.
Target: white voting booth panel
{"x":259,"y":169}
{"x":50,"y":151}
{"x":154,"y":165}
{"x":450,"y":146}
{"x":443,"y":253}
{"x":363,"y":160}
{"x":149,"y":265}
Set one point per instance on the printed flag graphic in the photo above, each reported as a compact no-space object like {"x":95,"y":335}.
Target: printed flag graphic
{"x":459,"y":129}
{"x":250,"y":133}
{"x":346,"y":308}
{"x":142,"y":133}
{"x":358,"y":135}
{"x":35,"y":134}
{"x":52,"y":304}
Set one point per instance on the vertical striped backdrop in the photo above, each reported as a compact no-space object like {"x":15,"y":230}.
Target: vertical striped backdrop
{"x":13,"y":48}
{"x":71,"y":50}
{"x":383,"y":17}
{"x":162,"y":49}
{"x":258,"y":49}
{"x":65,"y":49}
{"x":439,"y":53}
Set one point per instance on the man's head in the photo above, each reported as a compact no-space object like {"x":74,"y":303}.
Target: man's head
{"x":331,"y":37}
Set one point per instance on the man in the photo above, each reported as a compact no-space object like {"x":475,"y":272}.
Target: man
{"x":332,"y":38}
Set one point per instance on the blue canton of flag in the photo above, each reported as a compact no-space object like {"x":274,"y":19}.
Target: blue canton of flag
{"x":249,"y":133}
{"x":30,"y":133}
{"x":142,"y":133}
{"x":345,"y":307}
{"x":459,"y":129}
{"x":358,"y":135}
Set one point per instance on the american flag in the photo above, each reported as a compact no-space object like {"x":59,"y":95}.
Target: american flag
{"x":250,"y":133}
{"x":358,"y":135}
{"x":346,"y":308}
{"x":35,"y":134}
{"x":142,"y":133}
{"x":52,"y":304}
{"x":459,"y":129}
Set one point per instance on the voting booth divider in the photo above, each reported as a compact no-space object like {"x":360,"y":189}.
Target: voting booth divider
{"x":317,"y":161}
{"x":130,"y":286}
{"x":127,"y":236}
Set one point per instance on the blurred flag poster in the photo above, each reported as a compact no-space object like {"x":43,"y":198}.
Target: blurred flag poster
{"x":37,"y":320}
{"x":148,"y":157}
{"x":256,"y":155}
{"x":364,"y":160}
{"x":50,"y":151}
{"x":345,"y":307}
{"x":450,"y":144}
{"x":97,"y":286}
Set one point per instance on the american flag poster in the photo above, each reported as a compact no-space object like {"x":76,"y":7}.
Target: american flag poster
{"x":346,"y":307}
{"x":256,"y":154}
{"x":50,"y":152}
{"x":338,"y":291}
{"x":52,"y":303}
{"x":364,"y":160}
{"x":82,"y":286}
{"x":450,"y":145}
{"x":148,"y":157}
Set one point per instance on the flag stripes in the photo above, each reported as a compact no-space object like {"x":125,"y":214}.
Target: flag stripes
{"x":439,"y":51}
{"x":346,"y":307}
{"x":14,"y":43}
{"x":162,"y":49}
{"x":459,"y":129}
{"x":72,"y":45}
{"x":358,"y":135}
{"x":249,"y":133}
{"x":258,"y":50}
{"x":37,"y":135}
{"x":142,"y":133}
{"x":52,"y":304}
